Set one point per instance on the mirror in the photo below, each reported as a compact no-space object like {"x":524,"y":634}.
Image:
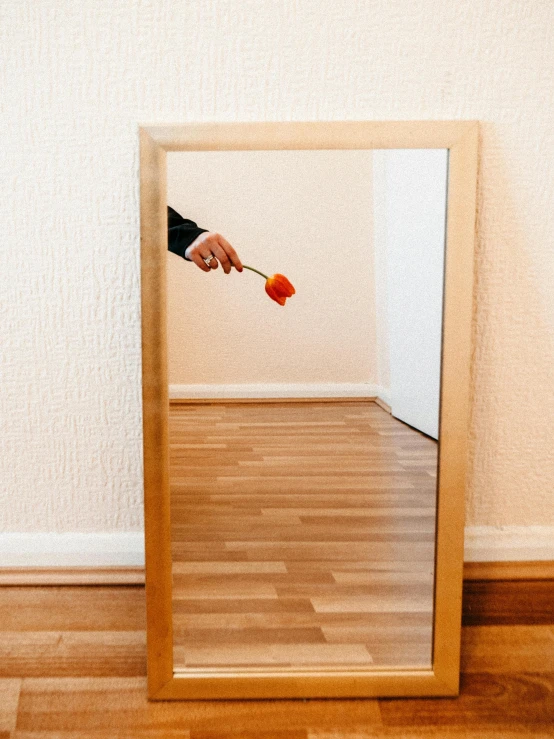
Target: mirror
{"x":302,"y":440}
{"x":303,"y":527}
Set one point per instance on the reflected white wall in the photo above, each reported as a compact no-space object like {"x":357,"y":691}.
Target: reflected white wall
{"x":306,"y":214}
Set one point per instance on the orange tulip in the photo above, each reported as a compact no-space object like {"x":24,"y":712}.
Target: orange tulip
{"x":277,"y":287}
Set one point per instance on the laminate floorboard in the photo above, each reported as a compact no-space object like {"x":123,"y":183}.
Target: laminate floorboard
{"x":283,"y":514}
{"x":93,"y":691}
{"x":97,"y":692}
{"x":502,"y":601}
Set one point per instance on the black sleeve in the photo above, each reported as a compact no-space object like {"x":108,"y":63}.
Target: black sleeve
{"x":181,"y":232}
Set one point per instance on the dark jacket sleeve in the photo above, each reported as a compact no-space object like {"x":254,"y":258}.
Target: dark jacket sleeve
{"x":181,"y":232}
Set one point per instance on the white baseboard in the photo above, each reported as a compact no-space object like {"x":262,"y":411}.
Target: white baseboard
{"x":126,"y":549}
{"x":279,"y":390}
{"x":509,"y":543}
{"x":95,"y":549}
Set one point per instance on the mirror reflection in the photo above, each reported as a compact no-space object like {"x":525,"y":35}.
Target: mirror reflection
{"x":304,"y":435}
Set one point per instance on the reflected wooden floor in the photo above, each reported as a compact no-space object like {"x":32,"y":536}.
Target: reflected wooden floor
{"x":302,"y":536}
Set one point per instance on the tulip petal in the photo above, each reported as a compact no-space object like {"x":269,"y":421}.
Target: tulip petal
{"x":273,"y":293}
{"x":284,"y":285}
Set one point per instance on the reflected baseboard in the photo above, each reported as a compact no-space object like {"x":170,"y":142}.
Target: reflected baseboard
{"x":280,"y":391}
{"x":385,"y":406}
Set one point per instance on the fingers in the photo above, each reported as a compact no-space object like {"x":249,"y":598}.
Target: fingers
{"x":231,"y":253}
{"x":197,"y":259}
{"x":208,"y":244}
{"x":219,"y":252}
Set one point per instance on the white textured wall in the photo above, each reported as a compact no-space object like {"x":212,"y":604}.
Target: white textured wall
{"x":304,"y":214}
{"x":77,"y":78}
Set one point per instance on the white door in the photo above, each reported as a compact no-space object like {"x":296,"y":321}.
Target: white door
{"x":415,"y":242}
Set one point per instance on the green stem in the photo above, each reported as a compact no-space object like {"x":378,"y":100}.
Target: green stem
{"x":255,"y":270}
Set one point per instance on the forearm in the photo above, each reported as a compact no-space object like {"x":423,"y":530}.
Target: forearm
{"x":179,"y":237}
{"x":181,"y":232}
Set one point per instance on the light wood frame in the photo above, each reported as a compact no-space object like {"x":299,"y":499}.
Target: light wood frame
{"x":461,"y":139}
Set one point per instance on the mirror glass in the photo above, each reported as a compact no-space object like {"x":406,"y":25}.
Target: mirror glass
{"x":303,"y":437}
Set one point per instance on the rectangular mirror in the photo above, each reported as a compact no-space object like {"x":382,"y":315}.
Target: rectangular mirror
{"x":304,"y":464}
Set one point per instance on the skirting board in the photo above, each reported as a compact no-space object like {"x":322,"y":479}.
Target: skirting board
{"x":507,"y":552}
{"x":508,"y":543}
{"x":279,"y":390}
{"x":14,"y":576}
{"x":97,"y":549}
{"x":11,"y":576}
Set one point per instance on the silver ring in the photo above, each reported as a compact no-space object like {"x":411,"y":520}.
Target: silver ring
{"x":207,"y":260}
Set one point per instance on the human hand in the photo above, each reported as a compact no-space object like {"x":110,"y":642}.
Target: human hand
{"x":212,"y":243}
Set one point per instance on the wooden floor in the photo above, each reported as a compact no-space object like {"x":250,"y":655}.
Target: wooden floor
{"x":73,"y":666}
{"x":302,"y":535}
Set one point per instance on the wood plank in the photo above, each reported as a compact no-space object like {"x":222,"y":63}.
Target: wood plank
{"x":226,"y":461}
{"x":278,"y":654}
{"x":108,"y":704}
{"x":72,"y":653}
{"x":72,"y":608}
{"x":467,"y":731}
{"x":9,"y":700}
{"x":530,"y":570}
{"x":506,"y":690}
{"x":508,"y":602}
{"x":71,"y":576}
{"x":518,"y":698}
{"x":254,"y":616}
{"x":504,"y":649}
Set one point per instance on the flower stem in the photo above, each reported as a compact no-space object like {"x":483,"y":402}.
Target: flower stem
{"x":255,"y":270}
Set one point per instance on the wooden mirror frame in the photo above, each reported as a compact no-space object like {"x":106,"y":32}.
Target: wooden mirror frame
{"x":442,"y":679}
